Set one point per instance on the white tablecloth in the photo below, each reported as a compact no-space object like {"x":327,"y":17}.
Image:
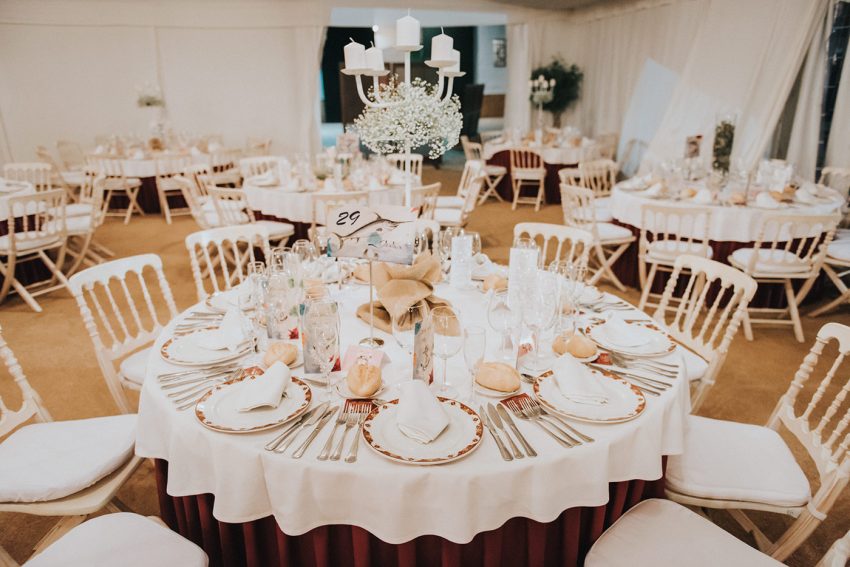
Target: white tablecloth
{"x":557,"y":156}
{"x":298,"y":207}
{"x":393,"y":501}
{"x":147,"y":167}
{"x":727,"y":222}
{"x":5,"y":196}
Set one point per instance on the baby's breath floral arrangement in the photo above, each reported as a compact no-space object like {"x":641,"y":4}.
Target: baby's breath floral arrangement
{"x":421,"y":119}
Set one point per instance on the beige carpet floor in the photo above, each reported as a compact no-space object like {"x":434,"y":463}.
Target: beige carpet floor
{"x":56,"y":354}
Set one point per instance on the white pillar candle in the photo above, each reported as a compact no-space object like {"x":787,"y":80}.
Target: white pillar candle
{"x":456,"y":58}
{"x":355,"y":56}
{"x":374,"y":59}
{"x":441,"y":48}
{"x":407,"y":31}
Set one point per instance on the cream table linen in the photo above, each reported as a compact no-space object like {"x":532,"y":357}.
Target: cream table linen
{"x":393,"y":501}
{"x":569,"y":155}
{"x":147,"y":167}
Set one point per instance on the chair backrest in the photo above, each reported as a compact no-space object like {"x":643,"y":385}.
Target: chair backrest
{"x":398,"y":161}
{"x":578,"y":206}
{"x":471,"y":169}
{"x":195,"y":199}
{"x":471,"y":198}
{"x":31,"y":404}
{"x":231,"y":206}
{"x":169,"y":165}
{"x":836,"y":177}
{"x":70,"y":153}
{"x":223,"y":159}
{"x":676,"y":230}
{"x":820,"y":427}
{"x":37,"y":219}
{"x":109,"y":166}
{"x":223,"y":255}
{"x":38,"y":173}
{"x":607,"y":145}
{"x":471,"y":150}
{"x":257,"y":165}
{"x":255,"y":147}
{"x":571,"y":244}
{"x":425,"y":199}
{"x":44,"y":155}
{"x":709,"y":310}
{"x":92,"y":192}
{"x":324,"y":202}
{"x":524,"y":158}
{"x":110,"y":297}
{"x":784,"y":241}
{"x":598,"y":175}
{"x":199,"y":176}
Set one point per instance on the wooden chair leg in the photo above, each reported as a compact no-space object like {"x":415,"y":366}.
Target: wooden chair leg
{"x":163,"y":205}
{"x":57,"y":273}
{"x":843,"y":292}
{"x":748,"y":326}
{"x":516,"y":187}
{"x":8,"y":273}
{"x":82,"y":254}
{"x":793,"y":311}
{"x":646,"y":285}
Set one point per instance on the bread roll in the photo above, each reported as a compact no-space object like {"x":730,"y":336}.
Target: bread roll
{"x":576,"y":344}
{"x":738,"y":199}
{"x":688,"y":192}
{"x":287,"y":353}
{"x":495,"y":282}
{"x":363,"y":379}
{"x":498,"y":376}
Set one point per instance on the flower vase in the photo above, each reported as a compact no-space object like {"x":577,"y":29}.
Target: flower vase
{"x":724,"y":137}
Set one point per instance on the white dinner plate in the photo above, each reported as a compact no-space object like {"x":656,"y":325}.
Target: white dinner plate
{"x":657,"y":341}
{"x":343,"y":390}
{"x":223,"y":300}
{"x":217,"y":409}
{"x":588,"y":294}
{"x":485,"y":391}
{"x":462,"y":435}
{"x":182,"y":350}
{"x":625,"y":402}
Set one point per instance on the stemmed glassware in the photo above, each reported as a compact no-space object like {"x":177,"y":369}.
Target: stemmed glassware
{"x":539,"y":305}
{"x":448,"y":341}
{"x":444,"y":245}
{"x":305,"y":250}
{"x":502,"y":319}
{"x":321,"y":328}
{"x":572,"y":276}
{"x":404,"y":327}
{"x":474,"y":349}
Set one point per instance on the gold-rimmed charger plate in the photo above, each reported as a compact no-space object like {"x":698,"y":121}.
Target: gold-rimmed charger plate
{"x":626,"y":401}
{"x":662,"y":344}
{"x":180,"y":350}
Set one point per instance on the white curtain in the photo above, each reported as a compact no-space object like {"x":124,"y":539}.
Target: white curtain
{"x":838,"y":147}
{"x":805,"y":131}
{"x":744,"y":59}
{"x":519,"y":47}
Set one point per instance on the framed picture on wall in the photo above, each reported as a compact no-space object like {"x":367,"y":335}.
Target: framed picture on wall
{"x":500,"y":52}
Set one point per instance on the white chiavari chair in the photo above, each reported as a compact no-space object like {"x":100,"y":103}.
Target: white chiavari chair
{"x":81,"y":228}
{"x":231,"y":208}
{"x":38,"y":173}
{"x":168,"y":166}
{"x":660,"y":532}
{"x":571,"y":174}
{"x":70,"y":181}
{"x":200,"y":175}
{"x":71,"y":154}
{"x":788,"y":248}
{"x":836,"y":266}
{"x":220,"y":256}
{"x":325,"y":202}
{"x":706,"y":317}
{"x":224,"y":167}
{"x":666,"y":233}
{"x":599,"y":176}
{"x":425,"y":199}
{"x":123,"y":314}
{"x":255,"y":147}
{"x":837,"y":178}
{"x":527,"y":170}
{"x":471,"y":169}
{"x":251,"y":166}
{"x":610,"y":241}
{"x":459,"y":217}
{"x":117,"y":184}
{"x":571,"y":244}
{"x":739,"y":466}
{"x":200,"y":205}
{"x":36,"y":225}
{"x":68,"y":469}
{"x":399,"y":161}
{"x":494,"y":173}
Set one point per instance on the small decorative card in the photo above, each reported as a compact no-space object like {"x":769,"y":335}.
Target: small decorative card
{"x":385,"y":233}
{"x":372,"y":356}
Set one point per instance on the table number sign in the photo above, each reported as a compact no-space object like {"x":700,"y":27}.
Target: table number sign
{"x":386,"y":233}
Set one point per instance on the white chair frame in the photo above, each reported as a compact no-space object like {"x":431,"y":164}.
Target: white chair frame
{"x":494,"y":173}
{"x":233,"y":249}
{"x":71,"y":154}
{"x":476,"y":182}
{"x":38,"y":173}
{"x":258,"y":165}
{"x":527,"y":169}
{"x":836,"y":270}
{"x":116,"y":182}
{"x":401,"y":161}
{"x":424,"y":198}
{"x":599,"y":176}
{"x":571,"y":244}
{"x":81,"y":245}
{"x":167,"y":167}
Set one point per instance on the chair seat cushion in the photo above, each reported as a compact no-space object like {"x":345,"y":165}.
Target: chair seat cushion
{"x":453,"y":202}
{"x":695,"y":365}
{"x":447,"y":216}
{"x":78,"y":225}
{"x":839,"y":250}
{"x":725,"y":460}
{"x":529,"y":174}
{"x":842,"y":234}
{"x":135,"y":366}
{"x":78,"y":209}
{"x":73,"y":178}
{"x":125,"y":539}
{"x":118,"y":184}
{"x":599,"y":214}
{"x":612,"y":232}
{"x":769,"y":261}
{"x":495,"y":170}
{"x":46,"y":461}
{"x":26,"y":241}
{"x":277,"y":229}
{"x":660,"y":532}
{"x":669,"y":250}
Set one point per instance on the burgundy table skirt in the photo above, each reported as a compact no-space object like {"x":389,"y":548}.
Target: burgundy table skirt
{"x":519,"y":542}
{"x":148,"y":198}
{"x":552,"y":184}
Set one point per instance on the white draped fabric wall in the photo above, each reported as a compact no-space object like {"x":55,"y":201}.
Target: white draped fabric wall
{"x":838,"y":147}
{"x":71,"y":69}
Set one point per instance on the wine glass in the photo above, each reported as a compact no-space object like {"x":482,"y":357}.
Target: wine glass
{"x":539,"y":306}
{"x":502,"y":319}
{"x":476,"y":240}
{"x":321,"y":331}
{"x":404,"y":326}
{"x":474,"y":348}
{"x":448,"y":341}
{"x":444,"y":245}
{"x":305,"y":250}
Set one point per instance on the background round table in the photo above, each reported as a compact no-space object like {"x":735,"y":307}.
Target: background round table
{"x":247,"y":506}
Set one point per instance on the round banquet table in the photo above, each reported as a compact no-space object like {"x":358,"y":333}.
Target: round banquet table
{"x":730,"y":228}
{"x":296,"y":207}
{"x":246,"y":506}
{"x":144,"y":169}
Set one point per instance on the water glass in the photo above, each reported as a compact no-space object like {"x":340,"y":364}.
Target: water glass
{"x":474,"y":349}
{"x":503,"y":319}
{"x":305,"y":250}
{"x":448,"y":341}
{"x":539,"y":306}
{"x":321,"y":339}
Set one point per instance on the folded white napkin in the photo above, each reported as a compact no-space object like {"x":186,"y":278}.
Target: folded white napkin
{"x":703,"y":197}
{"x":636,"y":182}
{"x":576,"y":381}
{"x":587,"y":293}
{"x":420,"y":414}
{"x":266,"y":390}
{"x":765,"y":201}
{"x":619,"y":333}
{"x":482,"y":266}
{"x":229,"y":334}
{"x":655,"y":190}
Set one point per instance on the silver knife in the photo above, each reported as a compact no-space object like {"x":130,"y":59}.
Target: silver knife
{"x":325,"y":418}
{"x":310,"y":417}
{"x":502,"y":449}
{"x":562,"y":421}
{"x":497,"y":421}
{"x":625,"y":372}
{"x":506,"y":417}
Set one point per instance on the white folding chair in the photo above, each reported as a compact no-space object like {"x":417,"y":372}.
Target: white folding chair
{"x":325,"y":202}
{"x":231,"y":208}
{"x":599,"y":175}
{"x":493,"y":173}
{"x":836,"y":266}
{"x":200,"y":175}
{"x":81,"y":228}
{"x":527,"y":170}
{"x":471,"y":169}
{"x":167,"y":167}
{"x":220,"y":256}
{"x":117,"y":183}
{"x":459,"y":217}
{"x":704,"y":325}
{"x":36,"y":225}
{"x":70,"y":181}
{"x":224,"y":167}
{"x":200,"y":204}
{"x":788,"y":248}
{"x":401,"y":161}
{"x":425,"y":199}
{"x":121,"y":330}
{"x":610,"y":240}
{"x":738,"y":466}
{"x":40,"y":174}
{"x":68,"y":469}
{"x":258,"y":165}
{"x":571,"y":244}
{"x":666,"y":233}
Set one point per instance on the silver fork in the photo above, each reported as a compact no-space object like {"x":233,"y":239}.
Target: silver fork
{"x":363,"y":409}
{"x":350,"y":421}
{"x":643,"y":364}
{"x":518,"y":410}
{"x":340,"y":420}
{"x":533,"y":408}
{"x":544,"y":412}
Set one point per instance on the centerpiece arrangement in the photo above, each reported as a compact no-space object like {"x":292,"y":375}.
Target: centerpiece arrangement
{"x":150,"y":96}
{"x":564,"y":85}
